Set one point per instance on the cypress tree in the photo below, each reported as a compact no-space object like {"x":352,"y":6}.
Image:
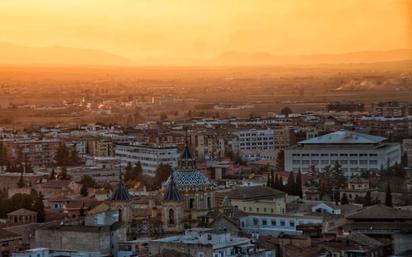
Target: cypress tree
{"x":277,"y":183}
{"x":344,"y":199}
{"x":268,"y":180}
{"x":291,"y":188}
{"x":272,"y":180}
{"x":299,"y":190}
{"x":38,"y":207}
{"x":388,"y":196}
{"x":367,"y":201}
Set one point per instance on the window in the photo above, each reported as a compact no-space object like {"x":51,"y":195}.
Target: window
{"x":273,"y":222}
{"x":255,"y":221}
{"x":291,"y":223}
{"x":171,"y":217}
{"x":264,"y":222}
{"x":282,"y":223}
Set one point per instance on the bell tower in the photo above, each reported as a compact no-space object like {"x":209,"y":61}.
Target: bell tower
{"x":172,"y":208}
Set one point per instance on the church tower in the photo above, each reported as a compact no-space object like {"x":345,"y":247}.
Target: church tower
{"x":120,"y":201}
{"x":172,"y":208}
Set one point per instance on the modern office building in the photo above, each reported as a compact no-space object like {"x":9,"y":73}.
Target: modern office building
{"x":353,"y":151}
{"x":255,"y":144}
{"x":149,"y":156}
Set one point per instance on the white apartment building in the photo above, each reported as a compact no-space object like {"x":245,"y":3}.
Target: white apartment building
{"x":149,"y":156}
{"x":275,"y":224}
{"x":255,"y":144}
{"x":354,"y":151}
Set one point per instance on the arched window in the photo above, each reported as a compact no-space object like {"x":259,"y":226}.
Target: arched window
{"x":171,"y":217}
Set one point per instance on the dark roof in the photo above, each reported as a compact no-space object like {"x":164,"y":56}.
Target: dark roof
{"x":172,"y":192}
{"x":186,"y":153}
{"x":120,"y":193}
{"x":254,"y":193}
{"x":381,"y":212}
{"x":4,"y":234}
{"x":364,"y":240}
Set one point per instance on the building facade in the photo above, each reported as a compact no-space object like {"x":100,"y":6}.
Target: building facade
{"x":149,"y":156}
{"x":255,"y":144}
{"x":353,"y":151}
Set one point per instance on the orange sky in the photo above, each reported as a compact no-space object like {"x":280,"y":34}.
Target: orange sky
{"x":199,"y":29}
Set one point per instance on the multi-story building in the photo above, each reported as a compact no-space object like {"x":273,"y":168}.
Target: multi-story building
{"x":353,"y":151}
{"x":207,"y":145}
{"x":346,"y":107}
{"x":282,"y":137}
{"x":407,"y":149}
{"x":275,"y":224}
{"x":37,"y":152}
{"x":392,"y":109}
{"x":206,"y":242}
{"x":255,"y":144}
{"x":149,"y":156}
{"x":10,"y":242}
{"x":100,"y":148}
{"x":258,"y":199}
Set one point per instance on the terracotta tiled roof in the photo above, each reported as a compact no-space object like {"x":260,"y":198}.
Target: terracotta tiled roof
{"x":21,"y":212}
{"x":254,"y":193}
{"x":4,"y":234}
{"x":381,"y":212}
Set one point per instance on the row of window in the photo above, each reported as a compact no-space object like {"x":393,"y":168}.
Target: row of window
{"x":342,"y":162}
{"x":335,"y":155}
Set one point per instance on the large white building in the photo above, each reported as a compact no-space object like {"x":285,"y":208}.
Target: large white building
{"x":149,"y":156}
{"x":255,"y":144}
{"x":354,"y":151}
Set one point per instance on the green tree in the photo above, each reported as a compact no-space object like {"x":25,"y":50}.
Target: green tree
{"x":21,"y":183}
{"x":62,"y":157}
{"x":74,"y":157}
{"x":52,"y":174}
{"x":388,"y":196}
{"x":269,"y":180}
{"x":404,"y":160}
{"x":286,"y":111}
{"x":344,"y":199}
{"x":299,"y":190}
{"x":291,"y":186}
{"x":367,"y":200}
{"x":38,"y":206}
{"x":163,"y":171}
{"x":63,"y":174}
{"x":84,"y":191}
{"x":280,"y":161}
{"x":88,"y":181}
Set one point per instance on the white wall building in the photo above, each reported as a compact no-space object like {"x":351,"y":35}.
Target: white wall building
{"x":149,"y":156}
{"x":255,"y":144}
{"x":354,"y":151}
{"x":274,"y":224}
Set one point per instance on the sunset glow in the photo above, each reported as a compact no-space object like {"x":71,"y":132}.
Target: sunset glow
{"x":186,"y":31}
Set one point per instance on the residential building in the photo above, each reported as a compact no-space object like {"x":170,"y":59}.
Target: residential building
{"x":9,"y":242}
{"x":205,"y":242}
{"x":149,"y":156}
{"x":275,"y":224}
{"x":37,"y":152}
{"x":255,"y":144}
{"x":352,"y":150}
{"x":21,"y":216}
{"x":258,"y":199}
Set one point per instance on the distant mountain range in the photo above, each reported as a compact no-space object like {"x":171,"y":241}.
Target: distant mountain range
{"x":11,"y":54}
{"x":267,"y":59}
{"x":56,"y":55}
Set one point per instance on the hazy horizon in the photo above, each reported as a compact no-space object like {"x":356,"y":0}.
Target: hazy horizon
{"x":186,"y":32}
